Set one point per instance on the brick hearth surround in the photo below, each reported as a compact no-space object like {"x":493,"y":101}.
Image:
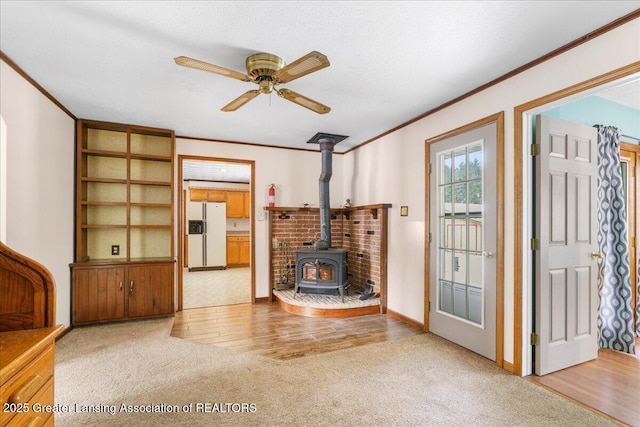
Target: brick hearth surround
{"x":362,"y":231}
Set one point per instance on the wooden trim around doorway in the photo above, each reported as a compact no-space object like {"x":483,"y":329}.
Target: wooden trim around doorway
{"x":520,"y":231}
{"x":498,"y":118}
{"x":632,"y":153}
{"x":182,"y":212}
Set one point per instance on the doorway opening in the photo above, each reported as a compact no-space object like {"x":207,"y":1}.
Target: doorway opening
{"x":216,"y":225}
{"x":464,"y":244}
{"x":527,"y":115}
{"x":609,"y":397}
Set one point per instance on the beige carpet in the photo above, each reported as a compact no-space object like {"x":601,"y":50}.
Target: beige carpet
{"x":416,"y":381}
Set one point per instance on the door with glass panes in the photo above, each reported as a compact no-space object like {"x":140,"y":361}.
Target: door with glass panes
{"x":462,"y":258}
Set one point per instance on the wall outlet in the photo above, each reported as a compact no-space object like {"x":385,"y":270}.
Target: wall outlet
{"x":115,"y":249}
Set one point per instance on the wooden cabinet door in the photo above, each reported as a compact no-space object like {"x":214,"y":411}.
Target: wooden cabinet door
{"x":245,"y":251}
{"x":207,"y":195}
{"x":198,"y":194}
{"x":233,"y":251}
{"x":235,"y":204}
{"x":98,"y":294}
{"x":247,"y":204}
{"x":150,"y":290}
{"x":216,"y":196}
{"x":238,"y":251}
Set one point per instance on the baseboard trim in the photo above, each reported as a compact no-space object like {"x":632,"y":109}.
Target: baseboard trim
{"x":261,"y":300}
{"x":405,"y":319}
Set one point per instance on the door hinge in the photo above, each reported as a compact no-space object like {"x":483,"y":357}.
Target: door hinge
{"x":535,"y":149}
{"x":429,"y":168}
{"x":429,"y":309}
{"x":535,"y":339}
{"x":429,"y":237}
{"x":535,"y":244}
{"x":633,"y":242}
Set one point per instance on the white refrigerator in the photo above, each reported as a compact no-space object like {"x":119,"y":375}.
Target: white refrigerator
{"x":207,"y":238}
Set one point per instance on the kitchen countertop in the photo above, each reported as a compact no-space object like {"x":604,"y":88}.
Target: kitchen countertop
{"x":237,"y":233}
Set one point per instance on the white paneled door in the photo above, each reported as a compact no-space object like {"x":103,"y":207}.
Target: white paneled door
{"x":565,"y":245}
{"x":462,"y":259}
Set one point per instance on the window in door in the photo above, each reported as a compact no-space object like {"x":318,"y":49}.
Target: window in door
{"x":460,"y":270}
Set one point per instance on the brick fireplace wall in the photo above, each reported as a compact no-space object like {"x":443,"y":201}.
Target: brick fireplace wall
{"x":362,"y":239}
{"x":359,"y":230}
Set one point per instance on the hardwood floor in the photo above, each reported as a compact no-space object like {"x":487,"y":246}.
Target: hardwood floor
{"x":610,"y":384}
{"x":267,"y":330}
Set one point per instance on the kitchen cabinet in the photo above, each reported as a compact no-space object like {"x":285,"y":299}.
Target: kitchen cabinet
{"x":102,"y":293}
{"x":207,"y":195}
{"x":238,"y":251}
{"x":238,"y":204}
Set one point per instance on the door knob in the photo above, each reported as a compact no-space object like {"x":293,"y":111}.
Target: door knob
{"x":487,"y":254}
{"x":595,"y":255}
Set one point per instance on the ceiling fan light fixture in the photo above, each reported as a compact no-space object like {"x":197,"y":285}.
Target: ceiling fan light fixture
{"x":265,"y":84}
{"x":268,"y":71}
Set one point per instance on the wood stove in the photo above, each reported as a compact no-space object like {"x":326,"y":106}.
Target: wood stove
{"x":319,"y":271}
{"x":322,"y":268}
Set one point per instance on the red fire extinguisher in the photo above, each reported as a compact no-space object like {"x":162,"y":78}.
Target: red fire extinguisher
{"x":272,"y":195}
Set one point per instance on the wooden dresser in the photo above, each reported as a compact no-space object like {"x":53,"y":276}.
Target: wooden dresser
{"x":27,"y":341}
{"x":26,"y":376}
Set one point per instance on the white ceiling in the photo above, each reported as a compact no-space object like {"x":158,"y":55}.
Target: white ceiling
{"x":203,"y":170}
{"x":391,"y":61}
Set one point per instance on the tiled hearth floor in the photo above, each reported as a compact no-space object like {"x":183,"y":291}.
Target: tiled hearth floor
{"x":216,"y":287}
{"x":325,"y":301}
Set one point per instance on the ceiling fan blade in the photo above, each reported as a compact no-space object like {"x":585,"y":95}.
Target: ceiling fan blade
{"x":205,"y":66}
{"x":309,"y":63}
{"x":241,"y":100}
{"x":303,"y":101}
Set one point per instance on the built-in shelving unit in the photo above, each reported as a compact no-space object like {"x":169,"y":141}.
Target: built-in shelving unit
{"x":124,"y":214}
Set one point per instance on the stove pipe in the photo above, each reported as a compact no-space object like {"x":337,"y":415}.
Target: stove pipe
{"x":327,"y":141}
{"x":326,"y":150}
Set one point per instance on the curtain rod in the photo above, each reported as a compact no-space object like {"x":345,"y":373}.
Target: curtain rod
{"x":630,"y":137}
{"x":621,"y":134}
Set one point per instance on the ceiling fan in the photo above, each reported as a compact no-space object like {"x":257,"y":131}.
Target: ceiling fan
{"x":267,"y":71}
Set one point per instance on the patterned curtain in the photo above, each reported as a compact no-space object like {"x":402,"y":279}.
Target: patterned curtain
{"x":615,"y":315}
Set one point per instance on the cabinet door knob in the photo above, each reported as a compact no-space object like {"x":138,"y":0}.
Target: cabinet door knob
{"x":120,"y":284}
{"x":131,"y":287}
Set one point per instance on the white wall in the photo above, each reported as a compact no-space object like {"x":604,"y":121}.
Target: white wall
{"x":391,"y":169}
{"x":3,"y":181}
{"x":40,"y":180}
{"x":295,"y":174}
